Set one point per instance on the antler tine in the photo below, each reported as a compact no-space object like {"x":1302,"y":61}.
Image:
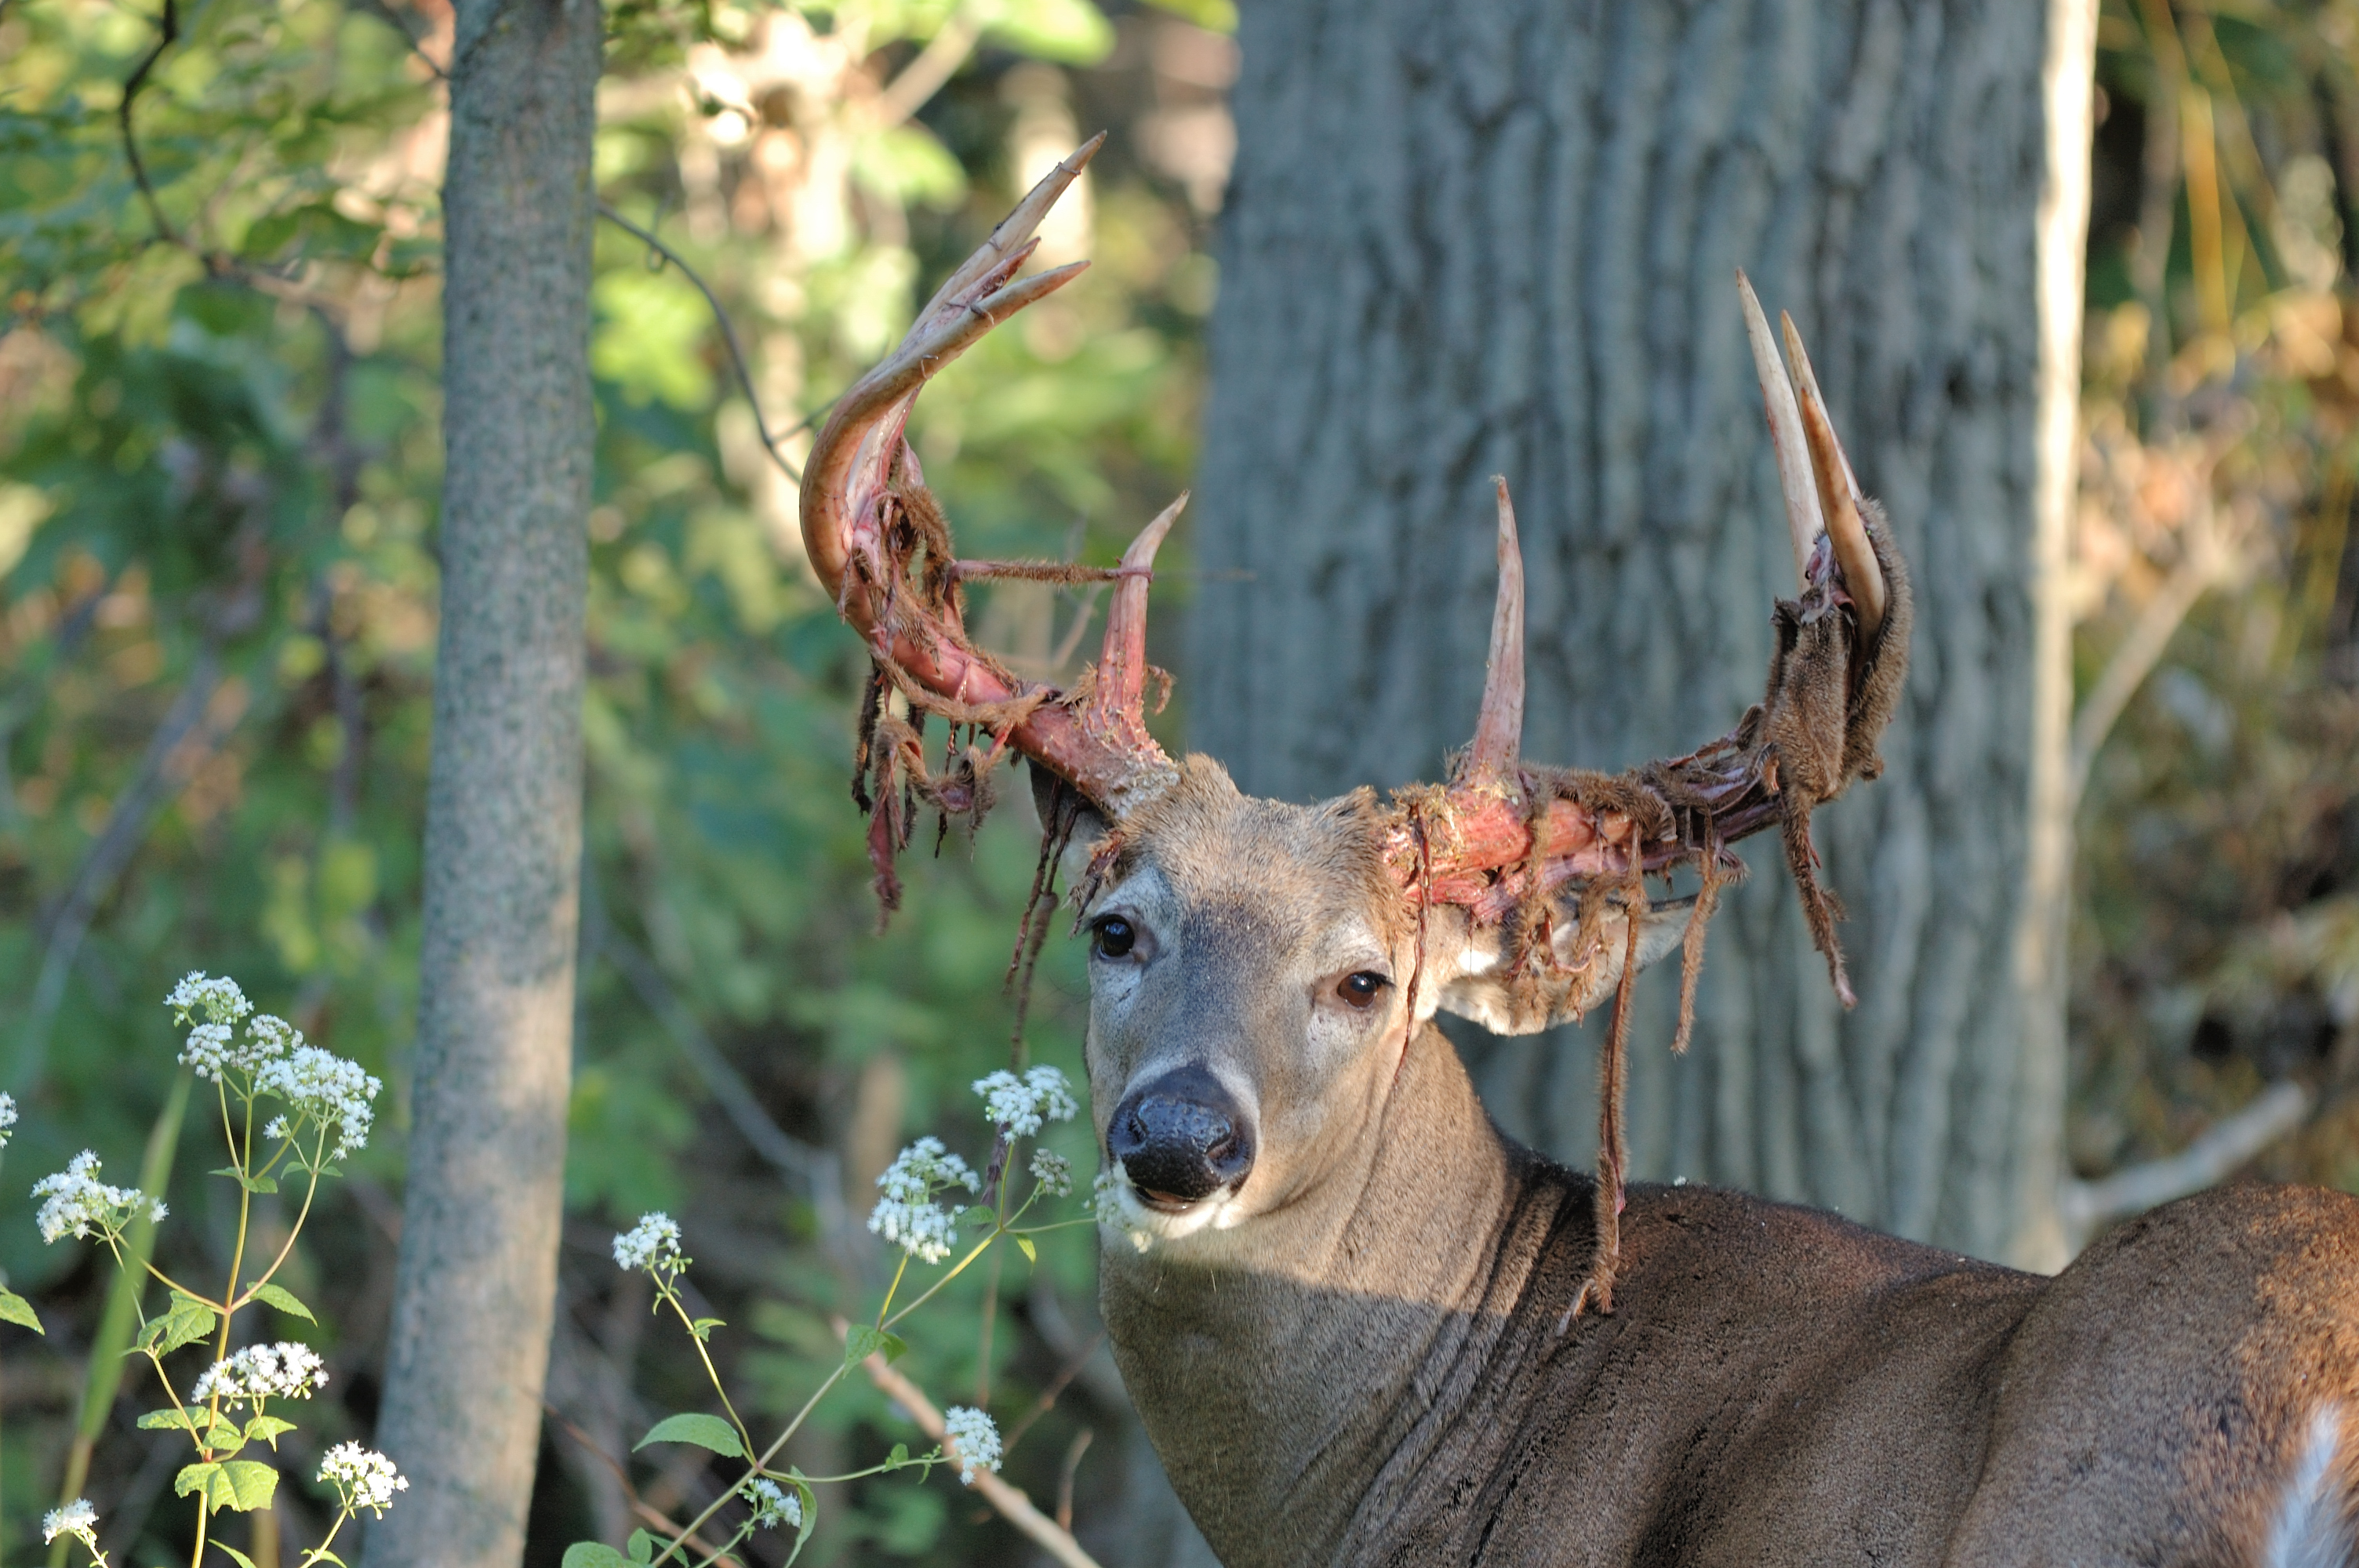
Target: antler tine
{"x":1499,"y":727}
{"x":1121,"y":682}
{"x":1838,"y":489}
{"x":1794,"y":482}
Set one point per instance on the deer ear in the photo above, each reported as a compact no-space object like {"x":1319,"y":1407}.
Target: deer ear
{"x":1485,"y":985}
{"x":1055,"y":800}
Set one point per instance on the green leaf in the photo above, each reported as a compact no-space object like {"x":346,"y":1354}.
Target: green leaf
{"x":241,"y":1485}
{"x":863,"y":1340}
{"x":1213,"y":15}
{"x":203,"y":1424}
{"x":1073,"y":32}
{"x":594,"y":1554}
{"x":703,"y":1326}
{"x":268,"y":1428}
{"x":15,"y":1309}
{"x":194,"y":1478}
{"x":704,"y":1431}
{"x":283,"y":1299}
{"x":906,"y":165}
{"x":242,"y":1560}
{"x":189,"y":1321}
{"x":898,"y":1457}
{"x":642,"y":1546}
{"x":1031,"y":1253}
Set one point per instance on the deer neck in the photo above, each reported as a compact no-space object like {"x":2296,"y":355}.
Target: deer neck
{"x":1291,"y":1397}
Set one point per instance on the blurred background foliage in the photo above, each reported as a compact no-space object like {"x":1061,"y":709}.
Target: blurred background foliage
{"x":219,"y":465}
{"x":2216,"y":932}
{"x":219,"y":470}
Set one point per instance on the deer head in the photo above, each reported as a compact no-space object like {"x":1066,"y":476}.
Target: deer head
{"x":1260,"y":970}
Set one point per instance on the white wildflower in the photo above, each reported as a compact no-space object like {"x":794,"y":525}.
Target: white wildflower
{"x":1018,"y":1106}
{"x":907,"y":1214}
{"x":77,"y":1519}
{"x":212,"y":1051}
{"x":320,"y":1085}
{"x":363,"y":1478}
{"x":277,"y":1130}
{"x":1105,"y":1197}
{"x":976,"y":1438}
{"x":7,"y":1117}
{"x":773,"y":1504}
{"x":218,"y":998}
{"x":286,"y":1371}
{"x":79,"y":1204}
{"x":1053,"y":1172}
{"x":652,"y":1244}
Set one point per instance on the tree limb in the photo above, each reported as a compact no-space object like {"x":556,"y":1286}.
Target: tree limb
{"x":169,"y":33}
{"x":2226,"y":1144}
{"x":1012,"y":1504}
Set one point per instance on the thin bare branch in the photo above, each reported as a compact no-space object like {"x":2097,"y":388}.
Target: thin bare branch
{"x":2225,"y":1145}
{"x":729,"y":338}
{"x":935,"y":64}
{"x":2212,"y":558}
{"x":168,"y":34}
{"x":1012,"y":1504}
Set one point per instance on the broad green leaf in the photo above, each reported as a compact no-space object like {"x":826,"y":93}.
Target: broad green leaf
{"x":641,"y":1546}
{"x":704,"y":1431}
{"x":268,"y":1428}
{"x":897,"y":1458}
{"x":906,"y":165}
{"x":283,"y":1300}
{"x":242,"y":1484}
{"x":594,"y":1554}
{"x":203,"y":1424}
{"x":239,"y":1558}
{"x":1031,"y":1253}
{"x":189,"y":1321}
{"x":863,"y":1340}
{"x":194,"y":1478}
{"x":15,"y":1309}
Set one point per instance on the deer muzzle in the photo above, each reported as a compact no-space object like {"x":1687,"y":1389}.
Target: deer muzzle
{"x":1182,"y":1137}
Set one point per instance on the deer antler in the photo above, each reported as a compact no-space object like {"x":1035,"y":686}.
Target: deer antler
{"x":880,"y":545}
{"x":1505,"y":838}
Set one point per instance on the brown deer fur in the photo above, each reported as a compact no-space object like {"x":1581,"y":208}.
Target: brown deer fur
{"x":1356,"y":1359}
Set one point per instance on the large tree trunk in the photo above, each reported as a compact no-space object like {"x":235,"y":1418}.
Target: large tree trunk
{"x":471,"y":1322}
{"x":1500,"y":237}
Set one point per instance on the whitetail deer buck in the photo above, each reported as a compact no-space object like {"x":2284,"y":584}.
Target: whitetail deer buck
{"x":1363,"y":1327}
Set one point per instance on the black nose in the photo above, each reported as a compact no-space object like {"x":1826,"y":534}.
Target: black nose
{"x":1181,"y":1137}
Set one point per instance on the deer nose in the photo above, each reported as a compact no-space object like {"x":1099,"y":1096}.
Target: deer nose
{"x":1181,"y":1137}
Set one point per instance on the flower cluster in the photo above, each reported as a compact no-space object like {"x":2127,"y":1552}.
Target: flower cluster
{"x":772,"y":1504}
{"x":1053,"y":1172}
{"x":1105,"y":1197}
{"x":79,"y":1204}
{"x":1018,"y":1106}
{"x":218,"y":998}
{"x":77,"y":1519}
{"x":363,"y":1478}
{"x":282,"y":1371}
{"x":321,"y":1086}
{"x":976,"y":1438}
{"x":7,"y":1117}
{"x":907,"y":1214}
{"x":653,"y":1244}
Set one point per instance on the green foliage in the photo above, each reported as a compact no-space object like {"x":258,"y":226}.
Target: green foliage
{"x":704,"y":1431}
{"x":220,"y":477}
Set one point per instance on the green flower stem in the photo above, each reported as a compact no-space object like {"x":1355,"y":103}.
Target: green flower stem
{"x":229,"y":1295}
{"x":319,"y":1553}
{"x":723,"y":1549}
{"x":121,"y":1317}
{"x":931,"y":1291}
{"x":882,"y":1307}
{"x":293,"y":1231}
{"x":761,"y":1464}
{"x":745,"y":1434}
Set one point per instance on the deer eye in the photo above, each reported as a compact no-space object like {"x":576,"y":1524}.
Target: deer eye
{"x":1362,"y":988}
{"x":1115,"y":936}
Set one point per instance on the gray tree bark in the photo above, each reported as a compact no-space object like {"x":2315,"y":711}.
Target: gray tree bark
{"x":469,"y":1343}
{"x":1468,"y":238}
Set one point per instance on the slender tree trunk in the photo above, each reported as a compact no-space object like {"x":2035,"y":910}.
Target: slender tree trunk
{"x":469,"y":1346}
{"x":1469,"y":237}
